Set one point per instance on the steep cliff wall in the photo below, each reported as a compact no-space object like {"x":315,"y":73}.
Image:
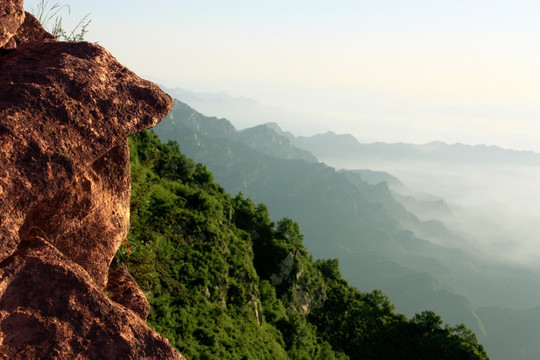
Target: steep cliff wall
{"x":65,"y":112}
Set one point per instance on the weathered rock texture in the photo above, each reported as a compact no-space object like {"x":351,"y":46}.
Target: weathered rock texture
{"x":125,"y":290}
{"x":87,"y":220}
{"x":51,"y":309}
{"x":65,"y":112}
{"x":11,"y":17}
{"x":30,"y":31}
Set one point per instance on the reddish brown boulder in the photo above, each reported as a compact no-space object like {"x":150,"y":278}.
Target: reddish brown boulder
{"x":88,"y":220}
{"x":62,"y":107}
{"x":11,"y":17}
{"x":65,"y":112}
{"x":50,"y":309}
{"x":125,"y":291}
{"x":31,"y":30}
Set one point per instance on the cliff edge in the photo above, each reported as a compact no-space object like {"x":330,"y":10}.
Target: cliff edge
{"x":66,"y":109}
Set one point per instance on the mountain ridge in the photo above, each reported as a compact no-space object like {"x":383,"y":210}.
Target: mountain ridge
{"x":283,"y":184}
{"x":347,"y":145}
{"x":225,"y":281}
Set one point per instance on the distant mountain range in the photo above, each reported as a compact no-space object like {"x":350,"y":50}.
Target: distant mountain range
{"x":331,"y":145}
{"x":242,"y":111}
{"x":368,"y":219}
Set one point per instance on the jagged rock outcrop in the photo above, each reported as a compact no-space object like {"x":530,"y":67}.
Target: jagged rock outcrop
{"x":286,"y":267}
{"x":30,"y":31}
{"x":51,"y":309}
{"x":305,"y":295}
{"x":125,"y":291}
{"x":65,"y":112}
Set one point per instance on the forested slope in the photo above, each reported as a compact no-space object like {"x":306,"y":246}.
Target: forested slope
{"x":376,"y":234}
{"x":225,"y":281}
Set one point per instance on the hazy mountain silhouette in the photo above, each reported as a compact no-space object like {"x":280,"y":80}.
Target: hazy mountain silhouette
{"x":345,"y":146}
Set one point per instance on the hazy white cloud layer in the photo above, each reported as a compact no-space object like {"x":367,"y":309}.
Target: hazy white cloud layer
{"x":390,"y":70}
{"x":494,"y":207}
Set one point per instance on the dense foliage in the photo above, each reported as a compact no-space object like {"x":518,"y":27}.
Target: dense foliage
{"x":224,"y":281}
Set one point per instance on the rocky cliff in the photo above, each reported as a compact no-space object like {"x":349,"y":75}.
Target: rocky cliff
{"x":65,"y":112}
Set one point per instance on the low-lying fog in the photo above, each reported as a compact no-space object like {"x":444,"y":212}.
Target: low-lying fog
{"x":496,"y":208}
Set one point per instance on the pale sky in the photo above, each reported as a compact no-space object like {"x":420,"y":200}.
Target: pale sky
{"x":383,"y":70}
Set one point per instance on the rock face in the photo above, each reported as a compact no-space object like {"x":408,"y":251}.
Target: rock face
{"x":286,"y":268}
{"x":30,"y":31}
{"x":65,"y":112}
{"x":125,"y":290}
{"x":11,"y":17}
{"x":51,"y":309}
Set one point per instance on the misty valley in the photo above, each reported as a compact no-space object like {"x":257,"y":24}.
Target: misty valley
{"x":448,"y":228}
{"x":380,"y":202}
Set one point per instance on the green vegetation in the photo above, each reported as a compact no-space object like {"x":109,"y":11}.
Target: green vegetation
{"x":380,"y":245}
{"x":49,"y":15}
{"x":226,"y":282}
